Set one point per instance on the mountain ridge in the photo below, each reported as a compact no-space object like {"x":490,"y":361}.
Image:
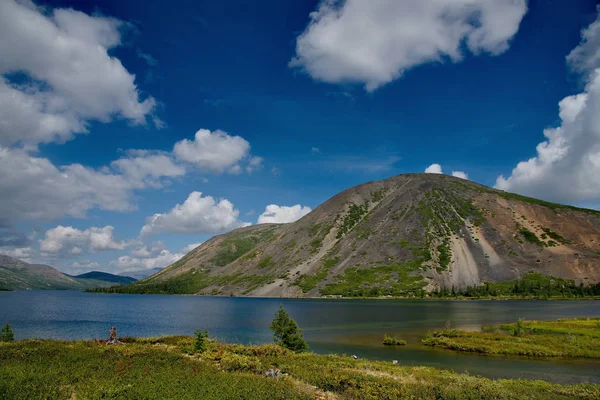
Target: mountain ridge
{"x":16,"y":274}
{"x":394,"y":237}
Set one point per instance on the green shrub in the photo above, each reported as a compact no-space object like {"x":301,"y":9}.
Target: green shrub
{"x":6,"y":334}
{"x":239,"y":362}
{"x":200,"y":342}
{"x":287,"y":333}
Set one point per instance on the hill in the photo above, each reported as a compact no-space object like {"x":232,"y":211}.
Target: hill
{"x":19,"y":275}
{"x":402,"y":236}
{"x":105,"y":277}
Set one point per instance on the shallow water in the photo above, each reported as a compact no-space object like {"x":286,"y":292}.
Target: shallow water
{"x":330,"y":326}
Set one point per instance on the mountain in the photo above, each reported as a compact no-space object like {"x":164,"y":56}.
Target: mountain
{"x":19,"y":275}
{"x":141,"y":273}
{"x":397,"y":236}
{"x":105,"y":277}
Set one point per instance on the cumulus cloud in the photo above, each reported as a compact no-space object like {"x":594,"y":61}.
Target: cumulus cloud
{"x":254,"y":164}
{"x":66,"y":240}
{"x":190,"y":247}
{"x":374,"y":42}
{"x":213,"y":151}
{"x":566,"y":167}
{"x":143,"y":167}
{"x":21,"y":253}
{"x":129,"y":263}
{"x":460,"y":174}
{"x":85,"y":265}
{"x":155,"y":255}
{"x":434,"y":169}
{"x":585,"y":58}
{"x":275,"y":214}
{"x":197,"y":215}
{"x":72,"y":78}
{"x":34,"y":188}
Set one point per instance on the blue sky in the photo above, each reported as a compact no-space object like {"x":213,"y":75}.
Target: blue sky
{"x":374,"y":91}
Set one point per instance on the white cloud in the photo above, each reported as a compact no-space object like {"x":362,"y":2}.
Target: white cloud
{"x":566,"y":167}
{"x":163,"y":259}
{"x":85,"y":265}
{"x":197,"y":215}
{"x":434,"y":169}
{"x":374,"y":42}
{"x":213,"y":151}
{"x":585,"y":58}
{"x":73,"y":79}
{"x":275,"y":214}
{"x":315,"y":150}
{"x":33,"y":188}
{"x":143,"y":168}
{"x":460,"y":174}
{"x":254,"y":164}
{"x":148,"y":251}
{"x":21,"y":253}
{"x":66,"y":240}
{"x":190,"y":247}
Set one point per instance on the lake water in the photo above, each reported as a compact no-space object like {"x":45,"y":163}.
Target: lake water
{"x":330,"y":326}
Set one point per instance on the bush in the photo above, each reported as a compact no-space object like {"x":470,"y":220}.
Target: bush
{"x":287,"y":333}
{"x":6,"y":334}
{"x":238,"y":362}
{"x":393,"y":341}
{"x":520,"y":329}
{"x":200,"y":343}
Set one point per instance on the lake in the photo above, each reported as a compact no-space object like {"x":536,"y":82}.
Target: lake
{"x":330,"y":326}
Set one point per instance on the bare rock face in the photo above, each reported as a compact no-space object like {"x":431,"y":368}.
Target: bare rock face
{"x":400,"y":236}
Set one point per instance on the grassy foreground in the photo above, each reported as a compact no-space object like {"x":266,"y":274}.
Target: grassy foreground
{"x":167,"y":368}
{"x":562,"y":338}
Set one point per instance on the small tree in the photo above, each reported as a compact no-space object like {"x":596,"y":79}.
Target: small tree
{"x":6,"y":334}
{"x":286,"y":332}
{"x":200,"y":343}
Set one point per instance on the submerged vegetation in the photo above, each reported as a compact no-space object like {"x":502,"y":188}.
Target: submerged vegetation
{"x":562,"y":338}
{"x":168,"y":368}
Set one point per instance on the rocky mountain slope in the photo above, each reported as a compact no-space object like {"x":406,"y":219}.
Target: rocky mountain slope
{"x":19,"y":275}
{"x":397,"y":236}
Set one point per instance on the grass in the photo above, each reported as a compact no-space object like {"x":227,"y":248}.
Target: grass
{"x":167,"y":368}
{"x":563,"y":338}
{"x":530,"y":236}
{"x":386,"y":280}
{"x":238,"y":244}
{"x":309,"y":282}
{"x":393,"y":341}
{"x":355,"y":214}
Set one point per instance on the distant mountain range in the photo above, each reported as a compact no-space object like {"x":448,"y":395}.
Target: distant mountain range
{"x":400,"y":236}
{"x":142,"y":273}
{"x":19,"y":275}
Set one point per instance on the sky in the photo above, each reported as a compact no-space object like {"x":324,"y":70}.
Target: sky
{"x":132,"y":131}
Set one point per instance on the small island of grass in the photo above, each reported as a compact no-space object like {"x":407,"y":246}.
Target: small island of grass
{"x":393,"y":341}
{"x":562,"y":338}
